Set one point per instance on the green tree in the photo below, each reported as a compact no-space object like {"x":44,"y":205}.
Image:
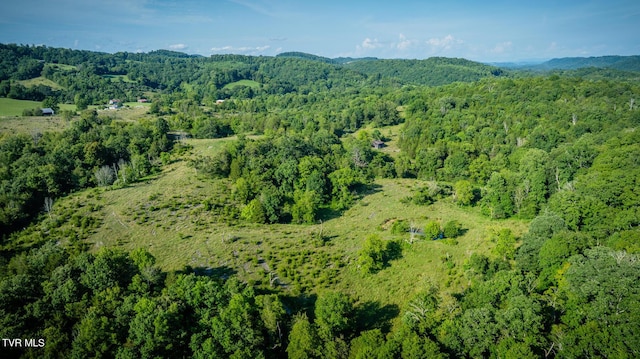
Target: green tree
{"x":254,"y":212}
{"x":333,"y":312}
{"x":303,"y":340}
{"x":477,"y":330}
{"x":505,"y":242}
{"x":52,"y":103}
{"x":371,"y":257}
{"x":463,"y":193}
{"x":306,"y":206}
{"x":367,"y":345}
{"x":532,"y":192}
{"x":452,"y":229}
{"x":432,"y":230}
{"x":601,"y":315}
{"x":496,"y":201}
{"x":81,"y":102}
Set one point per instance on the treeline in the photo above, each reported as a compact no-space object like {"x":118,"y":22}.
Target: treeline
{"x":564,"y":296}
{"x":114,"y":304}
{"x":435,"y":71}
{"x":520,"y":141}
{"x":87,"y":74}
{"x":94,"y":151}
{"x":290,"y":177}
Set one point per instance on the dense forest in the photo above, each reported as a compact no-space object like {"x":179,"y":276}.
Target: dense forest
{"x":286,"y":147}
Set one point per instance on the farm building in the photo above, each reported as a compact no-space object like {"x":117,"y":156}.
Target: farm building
{"x":115,"y":104}
{"x":377,"y":144}
{"x":47,"y":111}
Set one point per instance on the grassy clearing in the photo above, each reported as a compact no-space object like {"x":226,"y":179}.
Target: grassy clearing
{"x":41,"y":81}
{"x":391,"y":135}
{"x":11,"y":107}
{"x":63,"y":67}
{"x":167,"y":216}
{"x":30,"y":125}
{"x":133,"y":112}
{"x":424,"y":263}
{"x":12,"y":121}
{"x":248,"y":83}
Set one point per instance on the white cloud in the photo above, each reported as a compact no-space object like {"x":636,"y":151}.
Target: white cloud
{"x":445,"y":43}
{"x":370,"y":44}
{"x":502,"y":47}
{"x":367,"y":46}
{"x":178,"y":47}
{"x":244,"y":50}
{"x":404,"y":43}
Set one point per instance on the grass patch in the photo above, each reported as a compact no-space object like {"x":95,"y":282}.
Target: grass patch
{"x":31,"y":125}
{"x":169,"y":216}
{"x":63,"y":67}
{"x":11,"y":107}
{"x":176,"y":228}
{"x":248,"y":83}
{"x":40,"y":81}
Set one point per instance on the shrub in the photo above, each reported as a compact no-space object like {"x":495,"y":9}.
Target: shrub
{"x":400,"y":226}
{"x":452,"y":229}
{"x":432,"y":230}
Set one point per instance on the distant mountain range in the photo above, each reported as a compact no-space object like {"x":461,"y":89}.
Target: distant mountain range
{"x":438,"y":71}
{"x":433,"y":71}
{"x":622,"y":63}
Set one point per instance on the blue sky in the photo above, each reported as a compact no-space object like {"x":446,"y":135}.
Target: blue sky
{"x":477,"y":30}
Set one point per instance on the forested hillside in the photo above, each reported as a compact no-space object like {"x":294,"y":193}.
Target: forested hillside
{"x":434,"y":71}
{"x":292,"y":206}
{"x":623,"y":63}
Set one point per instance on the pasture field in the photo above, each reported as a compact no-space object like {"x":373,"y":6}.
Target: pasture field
{"x":248,"y":83}
{"x":30,"y":125}
{"x":167,"y":214}
{"x":41,"y":81}
{"x":11,"y":107}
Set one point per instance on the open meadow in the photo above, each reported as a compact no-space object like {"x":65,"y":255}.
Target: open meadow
{"x":167,"y":215}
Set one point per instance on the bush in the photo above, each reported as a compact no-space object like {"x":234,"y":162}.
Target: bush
{"x":452,"y":229}
{"x":253,"y":212}
{"x":432,"y":230}
{"x":423,"y":197}
{"x":400,"y":226}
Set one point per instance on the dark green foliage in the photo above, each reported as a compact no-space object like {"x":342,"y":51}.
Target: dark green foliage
{"x":288,"y":177}
{"x":332,"y":314}
{"x":422,"y":197}
{"x":433,"y":72}
{"x":400,"y":226}
{"x":497,"y":199}
{"x":92,"y":151}
{"x":627,"y":63}
{"x":432,"y":230}
{"x":303,"y":340}
{"x":452,"y":229}
{"x":376,"y":253}
{"x":562,"y":150}
{"x":602,"y":315}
